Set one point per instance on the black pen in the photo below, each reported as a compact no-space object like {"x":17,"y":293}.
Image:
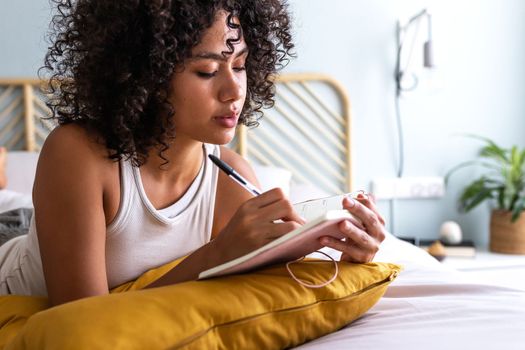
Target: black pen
{"x":235,"y":175}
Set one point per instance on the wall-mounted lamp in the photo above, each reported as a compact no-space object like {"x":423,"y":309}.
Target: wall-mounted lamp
{"x":404,"y":84}
{"x":428,"y":58}
{"x":401,"y":73}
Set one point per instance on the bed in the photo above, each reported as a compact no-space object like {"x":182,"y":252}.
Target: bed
{"x":428,"y":306}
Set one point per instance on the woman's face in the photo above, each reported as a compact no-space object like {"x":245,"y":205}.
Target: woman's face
{"x":208,"y":95}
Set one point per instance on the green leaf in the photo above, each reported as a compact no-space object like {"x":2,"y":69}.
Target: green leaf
{"x":494,"y":152}
{"x":514,"y":156}
{"x":513,"y":202}
{"x":518,"y":210}
{"x":479,"y":197}
{"x":501,"y":197}
{"x":503,"y":177}
{"x":476,"y":192}
{"x":469,"y":163}
{"x":522,"y":159}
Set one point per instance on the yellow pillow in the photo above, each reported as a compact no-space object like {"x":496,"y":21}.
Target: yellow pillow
{"x":265,"y":309}
{"x":14,"y":312}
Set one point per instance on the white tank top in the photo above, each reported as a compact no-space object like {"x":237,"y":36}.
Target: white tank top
{"x":139,"y":238}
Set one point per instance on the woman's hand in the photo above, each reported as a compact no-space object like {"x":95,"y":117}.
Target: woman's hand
{"x":363,"y":234}
{"x":257,"y":221}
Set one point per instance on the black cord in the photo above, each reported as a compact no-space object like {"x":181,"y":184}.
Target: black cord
{"x":400,"y":139}
{"x":399,"y":126}
{"x":400,"y":171}
{"x":401,"y":158}
{"x":399,"y":122}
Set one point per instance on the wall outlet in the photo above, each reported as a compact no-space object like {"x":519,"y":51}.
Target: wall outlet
{"x":408,"y":187}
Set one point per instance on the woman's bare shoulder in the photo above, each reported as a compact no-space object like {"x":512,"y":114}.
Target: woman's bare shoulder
{"x":70,"y":153}
{"x":73,"y":140}
{"x":236,"y":161}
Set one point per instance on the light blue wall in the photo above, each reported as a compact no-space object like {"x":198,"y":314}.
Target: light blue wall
{"x":480,"y":53}
{"x":23,"y":26}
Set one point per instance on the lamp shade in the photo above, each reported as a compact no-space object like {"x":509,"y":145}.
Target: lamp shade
{"x":428,"y":55}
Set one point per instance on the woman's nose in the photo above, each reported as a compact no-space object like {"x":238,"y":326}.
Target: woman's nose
{"x":231,"y":88}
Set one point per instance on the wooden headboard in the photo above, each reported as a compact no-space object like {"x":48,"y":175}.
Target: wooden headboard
{"x":307,"y":131}
{"x":22,"y":109}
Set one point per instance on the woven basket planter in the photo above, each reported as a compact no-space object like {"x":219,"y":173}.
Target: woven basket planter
{"x":506,"y":236}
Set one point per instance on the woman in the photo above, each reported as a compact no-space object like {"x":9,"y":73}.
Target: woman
{"x":144,"y":91}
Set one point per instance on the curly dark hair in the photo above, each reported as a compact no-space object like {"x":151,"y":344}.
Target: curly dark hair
{"x":110,"y":63}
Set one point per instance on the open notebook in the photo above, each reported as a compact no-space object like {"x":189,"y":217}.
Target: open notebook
{"x":322,"y":219}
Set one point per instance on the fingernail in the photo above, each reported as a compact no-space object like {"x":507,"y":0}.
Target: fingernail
{"x":360,"y":196}
{"x":351,"y":202}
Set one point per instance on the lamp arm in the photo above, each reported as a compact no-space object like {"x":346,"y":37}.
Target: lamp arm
{"x":401,"y":30}
{"x":417,"y":16}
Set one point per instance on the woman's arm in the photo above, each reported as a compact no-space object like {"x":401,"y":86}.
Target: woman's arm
{"x":70,"y":220}
{"x":230,"y":195}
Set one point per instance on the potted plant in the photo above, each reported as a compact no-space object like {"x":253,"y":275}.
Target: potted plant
{"x":502,"y":183}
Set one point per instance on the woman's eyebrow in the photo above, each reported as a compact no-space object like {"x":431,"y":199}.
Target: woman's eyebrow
{"x":216,"y":56}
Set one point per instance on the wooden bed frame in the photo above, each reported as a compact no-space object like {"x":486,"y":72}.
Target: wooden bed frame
{"x":21,"y":106}
{"x":307,"y":131}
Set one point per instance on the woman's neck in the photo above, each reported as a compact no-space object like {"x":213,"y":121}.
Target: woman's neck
{"x":166,"y":183}
{"x":184,"y":161}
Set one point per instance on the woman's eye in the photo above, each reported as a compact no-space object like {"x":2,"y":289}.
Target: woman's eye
{"x":206,"y":74}
{"x":239,"y":69}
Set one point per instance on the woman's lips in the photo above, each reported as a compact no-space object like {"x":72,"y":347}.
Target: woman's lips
{"x":227,"y":121}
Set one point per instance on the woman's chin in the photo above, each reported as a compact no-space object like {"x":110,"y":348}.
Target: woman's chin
{"x":222,"y":139}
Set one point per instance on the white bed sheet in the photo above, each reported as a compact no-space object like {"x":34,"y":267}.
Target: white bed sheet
{"x":20,"y":172}
{"x":431,"y":306}
{"x":10,"y":200}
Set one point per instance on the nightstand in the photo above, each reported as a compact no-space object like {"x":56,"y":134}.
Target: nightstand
{"x":502,"y":269}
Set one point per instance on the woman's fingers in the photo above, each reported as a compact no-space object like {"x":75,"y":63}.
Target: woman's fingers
{"x":350,"y":252}
{"x":358,"y":246}
{"x":368,"y":201}
{"x":358,"y":237}
{"x":276,"y":230}
{"x":274,"y":205}
{"x":268,"y":198}
{"x":373,"y":224}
